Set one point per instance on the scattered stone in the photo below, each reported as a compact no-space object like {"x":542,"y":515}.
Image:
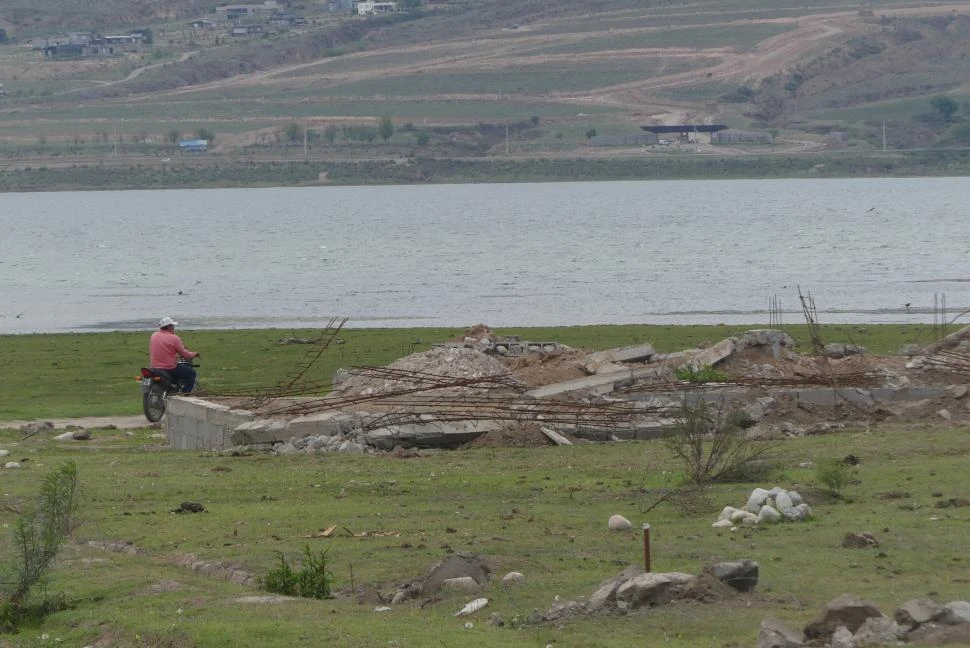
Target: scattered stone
{"x":741,"y":575}
{"x":862,"y":540}
{"x":841,"y":638}
{"x":846,"y":610}
{"x":878,"y":631}
{"x":954,"y":613}
{"x":768,"y":514}
{"x":189,"y":507}
{"x":945,"y":414}
{"x":957,"y":391}
{"x":619,"y":523}
{"x":35,"y":428}
{"x":495,"y":620}
{"x":64,"y":436}
{"x":81,"y":435}
{"x":464,"y":583}
{"x":606,"y":594}
{"x":775,"y":634}
{"x":399,"y":597}
{"x":383,"y":608}
{"x":472,"y":607}
{"x":4,"y":453}
{"x":456,"y":565}
{"x":11,"y":464}
{"x":723,"y":524}
{"x":652,"y":589}
{"x":513,"y":578}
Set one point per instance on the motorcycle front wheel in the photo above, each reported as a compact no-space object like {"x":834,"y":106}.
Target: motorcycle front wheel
{"x":153,"y":402}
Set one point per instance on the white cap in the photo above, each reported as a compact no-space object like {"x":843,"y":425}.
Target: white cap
{"x":167,"y":321}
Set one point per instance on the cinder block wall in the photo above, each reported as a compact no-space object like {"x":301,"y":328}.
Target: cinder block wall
{"x":196,"y":424}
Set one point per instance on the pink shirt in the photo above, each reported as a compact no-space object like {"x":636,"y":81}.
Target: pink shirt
{"x":164,"y":349}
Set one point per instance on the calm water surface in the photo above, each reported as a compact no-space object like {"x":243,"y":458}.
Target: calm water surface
{"x":503,"y":254}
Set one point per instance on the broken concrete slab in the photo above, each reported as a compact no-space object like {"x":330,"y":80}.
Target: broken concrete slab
{"x":712,"y":355}
{"x":634,"y":353}
{"x":329,"y":423}
{"x":260,"y":431}
{"x":433,"y":434}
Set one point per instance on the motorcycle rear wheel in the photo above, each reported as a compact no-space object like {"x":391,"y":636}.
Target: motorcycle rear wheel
{"x":153,"y":402}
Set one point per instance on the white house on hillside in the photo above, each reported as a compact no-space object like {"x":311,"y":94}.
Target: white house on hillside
{"x":370,"y":8}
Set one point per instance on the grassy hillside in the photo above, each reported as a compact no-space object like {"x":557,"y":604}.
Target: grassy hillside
{"x":451,"y":75}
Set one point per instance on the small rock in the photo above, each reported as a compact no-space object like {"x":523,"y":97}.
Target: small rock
{"x":768,"y":514}
{"x":466,"y":583}
{"x":513,"y":578}
{"x":619,"y":523}
{"x":957,"y":391}
{"x":495,"y":620}
{"x":383,"y":608}
{"x":81,"y":435}
{"x":954,"y":613}
{"x":775,"y":634}
{"x":64,"y":436}
{"x":723,"y":524}
{"x":862,"y":540}
{"x":841,"y":638}
{"x":4,"y":453}
{"x":726,"y":513}
{"x":11,"y":464}
{"x":399,"y":597}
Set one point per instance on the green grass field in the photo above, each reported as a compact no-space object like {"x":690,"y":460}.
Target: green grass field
{"x":94,"y":373}
{"x":540,"y":511}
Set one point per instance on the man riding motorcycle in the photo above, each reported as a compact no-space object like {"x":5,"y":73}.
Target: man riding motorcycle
{"x":164,"y":349}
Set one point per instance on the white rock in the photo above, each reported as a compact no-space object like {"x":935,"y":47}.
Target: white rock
{"x":756,"y":499}
{"x":462,"y":583}
{"x":794,"y":514}
{"x":783,"y":502}
{"x":472,"y":607}
{"x":750,"y":520}
{"x":11,"y":464}
{"x":768,"y":514}
{"x":619,"y":523}
{"x":805,"y":509}
{"x":796,"y":499}
{"x":842,"y":638}
{"x":723,"y":524}
{"x":66,"y":436}
{"x":512,"y":578}
{"x":955,"y":613}
{"x":383,"y":608}
{"x":727,"y":513}
{"x":399,"y":597}
{"x":738,"y":516}
{"x":4,"y":453}
{"x":945,"y":414}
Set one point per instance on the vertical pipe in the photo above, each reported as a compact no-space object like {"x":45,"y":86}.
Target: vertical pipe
{"x":646,"y":546}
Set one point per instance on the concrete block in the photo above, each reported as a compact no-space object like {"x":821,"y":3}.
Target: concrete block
{"x":635,"y":353}
{"x":322,"y":423}
{"x":259,"y":431}
{"x":196,"y":424}
{"x":712,"y":355}
{"x":439,"y":434}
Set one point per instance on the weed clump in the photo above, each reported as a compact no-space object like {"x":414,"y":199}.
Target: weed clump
{"x":313,"y":580}
{"x":701,"y":375}
{"x":35,"y":540}
{"x":833,"y":475}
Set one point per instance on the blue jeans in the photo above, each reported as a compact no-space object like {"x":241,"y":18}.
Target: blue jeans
{"x":184,"y":374}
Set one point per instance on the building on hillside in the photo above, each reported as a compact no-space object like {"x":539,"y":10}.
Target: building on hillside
{"x":687,"y":133}
{"x":86,"y":44}
{"x":286,"y":19}
{"x":373,"y":8}
{"x":734,"y":136}
{"x":340,"y":5}
{"x":194,"y":146}
{"x":643,"y":139}
{"x":246,"y":30}
{"x":236,"y":12}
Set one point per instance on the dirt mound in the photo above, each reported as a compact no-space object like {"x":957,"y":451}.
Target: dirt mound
{"x":537,"y":369}
{"x":425,"y":369}
{"x":518,"y":435}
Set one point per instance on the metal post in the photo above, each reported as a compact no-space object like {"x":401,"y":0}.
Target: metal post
{"x":646,"y":546}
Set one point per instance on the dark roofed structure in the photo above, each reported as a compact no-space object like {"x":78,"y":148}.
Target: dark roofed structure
{"x":685,"y":128}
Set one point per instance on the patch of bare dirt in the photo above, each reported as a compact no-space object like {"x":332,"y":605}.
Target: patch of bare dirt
{"x":537,"y":369}
{"x":518,"y":435}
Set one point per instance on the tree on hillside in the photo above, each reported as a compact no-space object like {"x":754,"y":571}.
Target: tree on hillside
{"x":206,"y":134}
{"x":591,"y":133}
{"x":386,"y":129}
{"x":293,"y":132}
{"x":330,"y":133}
{"x":173,"y":136}
{"x":944,"y":105}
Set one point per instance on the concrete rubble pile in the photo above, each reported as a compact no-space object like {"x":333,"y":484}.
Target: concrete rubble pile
{"x":852,"y":622}
{"x":418,"y":403}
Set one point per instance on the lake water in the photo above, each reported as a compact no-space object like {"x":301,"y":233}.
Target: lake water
{"x":503,"y":254}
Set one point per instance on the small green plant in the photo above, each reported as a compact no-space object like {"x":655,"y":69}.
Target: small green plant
{"x":312,"y":581}
{"x":834,"y":475}
{"x":700,"y":375}
{"x":36,"y":538}
{"x":711,"y":444}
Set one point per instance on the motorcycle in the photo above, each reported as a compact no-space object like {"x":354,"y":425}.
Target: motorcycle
{"x":156,"y":386}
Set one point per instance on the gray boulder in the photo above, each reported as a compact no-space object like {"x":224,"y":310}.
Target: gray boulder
{"x":916,"y":612}
{"x":741,"y":575}
{"x":456,"y":566}
{"x":954,"y":613}
{"x":775,"y":634}
{"x":648,"y":590}
{"x":878,"y":631}
{"x":846,"y":610}
{"x":606,"y":594}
